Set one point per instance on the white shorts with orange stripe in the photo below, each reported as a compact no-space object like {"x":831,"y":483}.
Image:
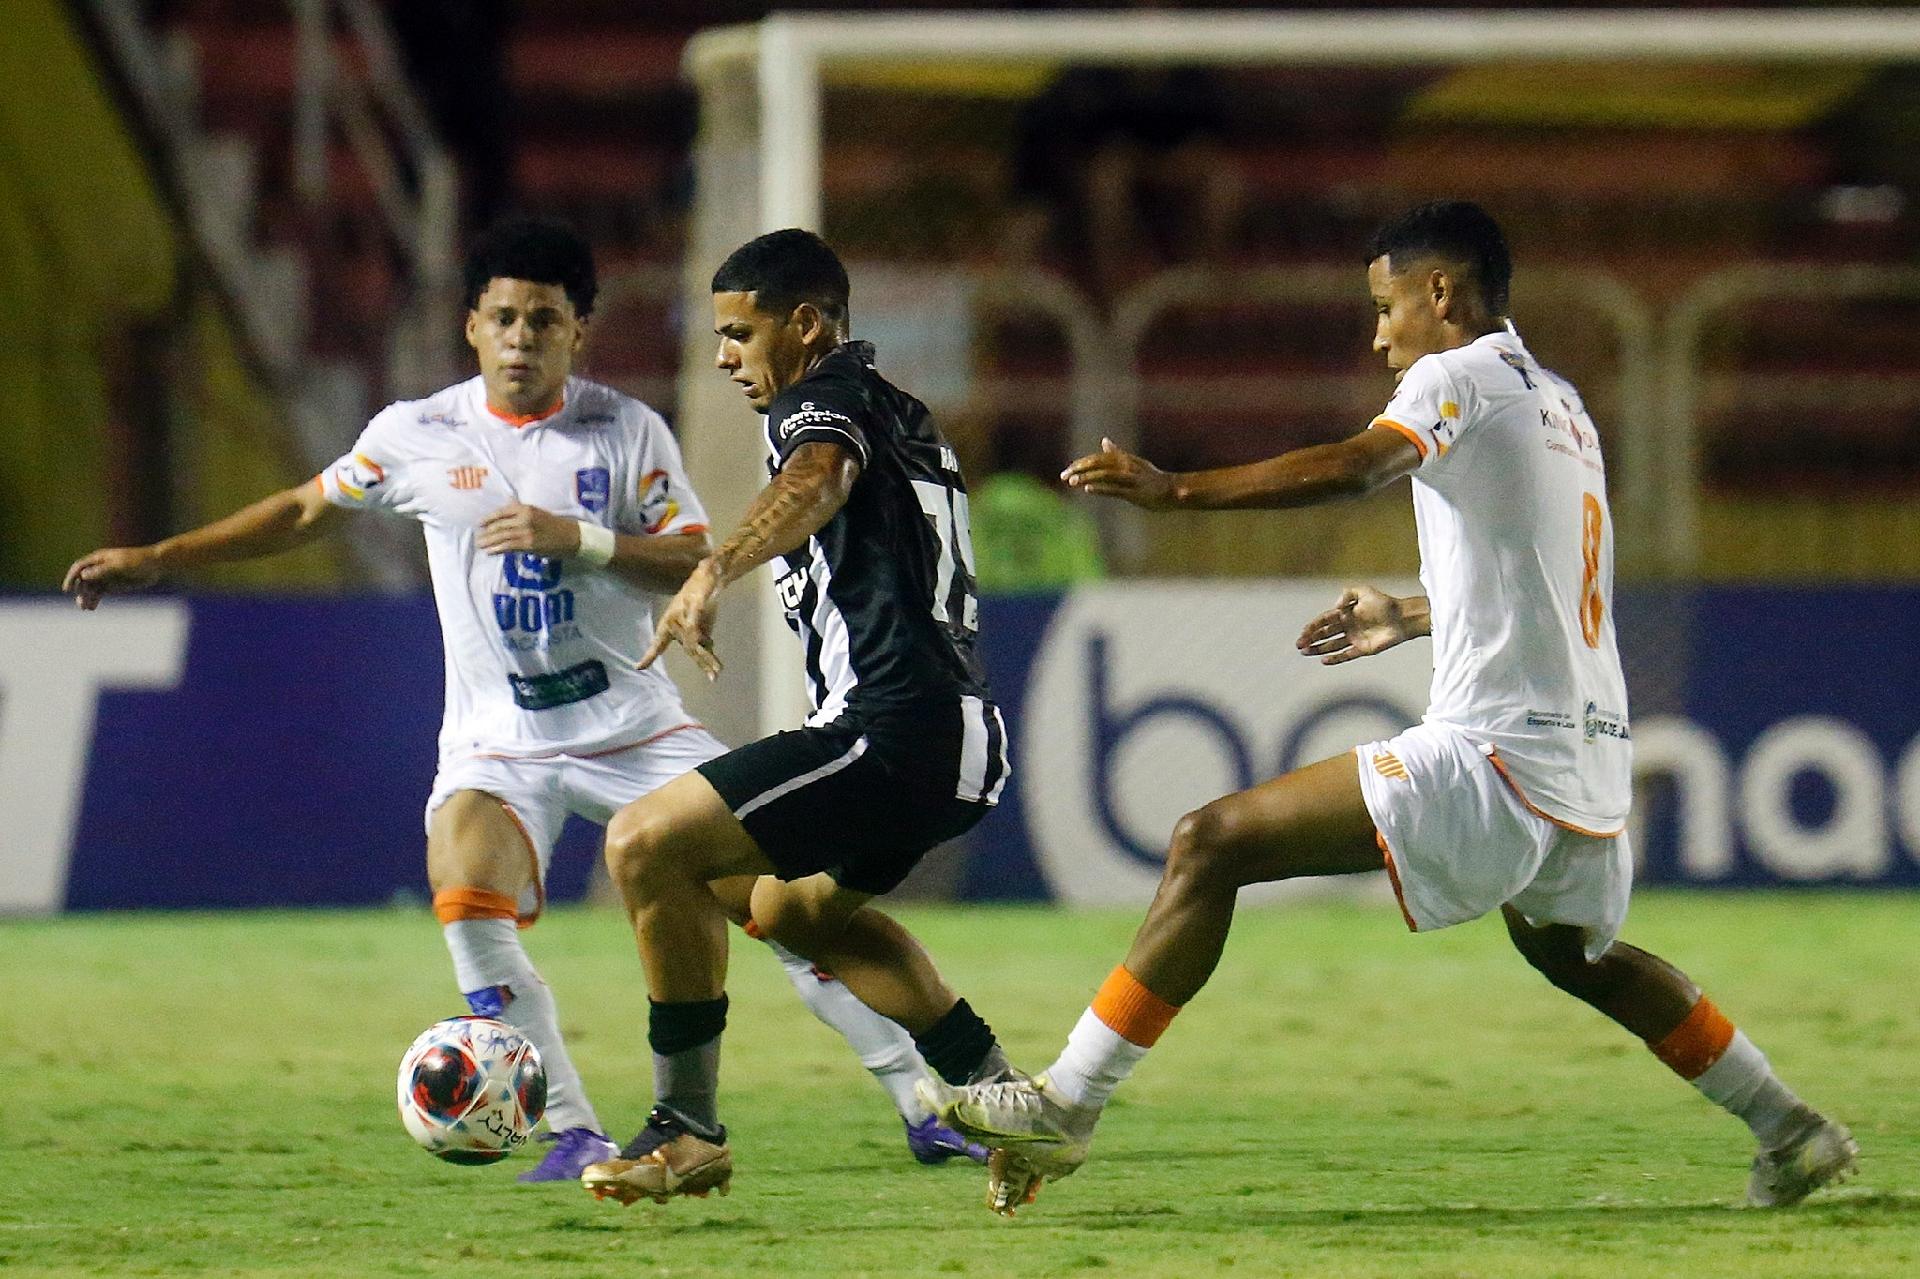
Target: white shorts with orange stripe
{"x":1459,"y":842}
{"x":540,"y":793}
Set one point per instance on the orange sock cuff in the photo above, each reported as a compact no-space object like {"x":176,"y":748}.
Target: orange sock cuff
{"x":752,"y":929}
{"x":1697,"y":1042}
{"x":1130,"y":1010}
{"x":450,"y":904}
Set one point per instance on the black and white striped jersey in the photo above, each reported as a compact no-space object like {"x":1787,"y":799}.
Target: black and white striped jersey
{"x":883,"y":596}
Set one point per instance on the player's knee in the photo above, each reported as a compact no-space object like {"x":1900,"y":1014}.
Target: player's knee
{"x":789,"y":920}
{"x":1202,"y":848}
{"x":639,"y":845}
{"x":1559,"y":956}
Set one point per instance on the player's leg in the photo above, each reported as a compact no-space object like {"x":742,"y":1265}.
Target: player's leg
{"x":602,"y":785}
{"x":1313,"y":821}
{"x":884,"y":965}
{"x":808,"y":792}
{"x":1800,"y":1149}
{"x":883,"y":1045}
{"x":481,"y":860}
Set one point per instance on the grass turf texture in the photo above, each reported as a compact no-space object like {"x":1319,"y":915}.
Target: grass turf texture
{"x":214,"y":1095}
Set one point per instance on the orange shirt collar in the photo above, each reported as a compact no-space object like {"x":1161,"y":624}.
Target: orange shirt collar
{"x":518,"y":420}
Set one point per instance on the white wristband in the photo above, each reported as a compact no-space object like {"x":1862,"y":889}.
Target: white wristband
{"x":596,"y":544}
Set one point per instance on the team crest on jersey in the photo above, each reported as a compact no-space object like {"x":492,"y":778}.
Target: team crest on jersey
{"x":356,"y":474}
{"x":467,"y":478}
{"x":592,"y":486}
{"x":657,"y":504}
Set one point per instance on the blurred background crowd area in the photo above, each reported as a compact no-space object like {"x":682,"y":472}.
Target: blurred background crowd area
{"x":215,"y":273}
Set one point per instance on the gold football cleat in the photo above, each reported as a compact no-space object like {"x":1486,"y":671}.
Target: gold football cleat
{"x":683,"y":1165}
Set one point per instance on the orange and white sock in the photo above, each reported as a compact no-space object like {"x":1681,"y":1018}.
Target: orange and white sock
{"x":1716,"y":1057}
{"x":1111,"y":1037}
{"x":492,"y":968}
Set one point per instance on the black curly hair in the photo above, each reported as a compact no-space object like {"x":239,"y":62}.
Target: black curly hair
{"x":534,"y":249}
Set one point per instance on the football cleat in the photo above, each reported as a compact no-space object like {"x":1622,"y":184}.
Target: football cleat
{"x":1036,"y":1134}
{"x":1821,"y":1151}
{"x":933,"y":1143}
{"x":666,"y":1159}
{"x":573,"y":1150}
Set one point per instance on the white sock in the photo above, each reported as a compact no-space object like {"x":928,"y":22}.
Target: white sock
{"x":1094,"y":1062}
{"x":884,"y":1046}
{"x":487,"y":953}
{"x":1742,"y":1082}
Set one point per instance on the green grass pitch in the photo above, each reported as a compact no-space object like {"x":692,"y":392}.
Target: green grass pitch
{"x":214,"y":1095}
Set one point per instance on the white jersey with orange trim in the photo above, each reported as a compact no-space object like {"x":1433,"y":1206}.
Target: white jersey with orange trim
{"x":1516,"y":553}
{"x":540,"y":651}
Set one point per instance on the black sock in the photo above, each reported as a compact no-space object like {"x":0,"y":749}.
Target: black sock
{"x":958,"y":1045}
{"x":685,"y":1038}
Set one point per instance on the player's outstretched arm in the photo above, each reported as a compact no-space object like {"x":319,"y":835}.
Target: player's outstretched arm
{"x":809,"y":490}
{"x":1304,"y":477}
{"x":288,"y":519}
{"x":1362,"y":623}
{"x":658,"y":562}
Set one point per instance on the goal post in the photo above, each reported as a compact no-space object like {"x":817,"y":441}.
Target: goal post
{"x":760,"y":165}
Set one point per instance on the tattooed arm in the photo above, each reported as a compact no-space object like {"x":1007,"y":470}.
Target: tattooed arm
{"x":809,"y":490}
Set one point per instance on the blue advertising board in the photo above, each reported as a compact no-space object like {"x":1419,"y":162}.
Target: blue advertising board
{"x":267,"y":752}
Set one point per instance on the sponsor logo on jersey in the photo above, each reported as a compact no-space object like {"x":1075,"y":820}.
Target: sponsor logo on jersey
{"x":356,"y":474}
{"x":811,"y":414}
{"x":657,"y":505}
{"x":439,"y":419}
{"x":1601,"y":723}
{"x":592,"y":486}
{"x":792,"y":588}
{"x":1388,"y":764}
{"x":1550,"y":719}
{"x":467,"y":478}
{"x":1519,"y":364}
{"x":533,"y":612}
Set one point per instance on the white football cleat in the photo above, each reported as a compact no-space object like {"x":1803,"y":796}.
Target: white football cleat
{"x":1036,"y":1134}
{"x":1822,"y":1151}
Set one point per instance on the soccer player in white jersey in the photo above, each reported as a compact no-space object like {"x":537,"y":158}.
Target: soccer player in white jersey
{"x":1511,"y":794}
{"x":552,"y":507}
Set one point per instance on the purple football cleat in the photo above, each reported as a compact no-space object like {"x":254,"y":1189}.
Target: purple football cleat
{"x":933,"y":1143}
{"x":573,"y":1152}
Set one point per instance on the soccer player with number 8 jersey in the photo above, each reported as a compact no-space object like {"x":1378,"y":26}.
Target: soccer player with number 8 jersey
{"x":1511,"y":793}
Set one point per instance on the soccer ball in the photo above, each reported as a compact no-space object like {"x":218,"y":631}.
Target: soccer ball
{"x":471,"y":1090}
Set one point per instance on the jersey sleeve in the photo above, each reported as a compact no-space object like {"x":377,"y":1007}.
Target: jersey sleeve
{"x":826,"y":413}
{"x":1428,"y":408}
{"x":662,"y":499}
{"x":369,"y":476}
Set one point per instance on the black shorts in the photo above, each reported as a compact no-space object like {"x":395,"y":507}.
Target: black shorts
{"x":865,"y":797}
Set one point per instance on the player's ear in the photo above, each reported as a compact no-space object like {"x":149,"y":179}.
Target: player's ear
{"x":473,"y":323}
{"x":1441,"y":292}
{"x":809,"y":322}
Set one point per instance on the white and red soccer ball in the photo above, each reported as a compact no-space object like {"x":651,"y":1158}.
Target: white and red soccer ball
{"x":471,"y":1090}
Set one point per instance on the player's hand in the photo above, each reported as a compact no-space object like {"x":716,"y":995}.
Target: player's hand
{"x":1012,"y":1182}
{"x":115,"y":568}
{"x":519,"y":527}
{"x":1114,"y":472}
{"x":688,"y":621}
{"x":1363,"y":623}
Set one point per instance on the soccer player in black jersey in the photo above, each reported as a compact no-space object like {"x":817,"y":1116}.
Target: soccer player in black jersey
{"x":866,"y":512}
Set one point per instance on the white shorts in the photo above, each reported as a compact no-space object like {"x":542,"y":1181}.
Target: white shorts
{"x":1459,"y":842}
{"x":541,"y":793}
